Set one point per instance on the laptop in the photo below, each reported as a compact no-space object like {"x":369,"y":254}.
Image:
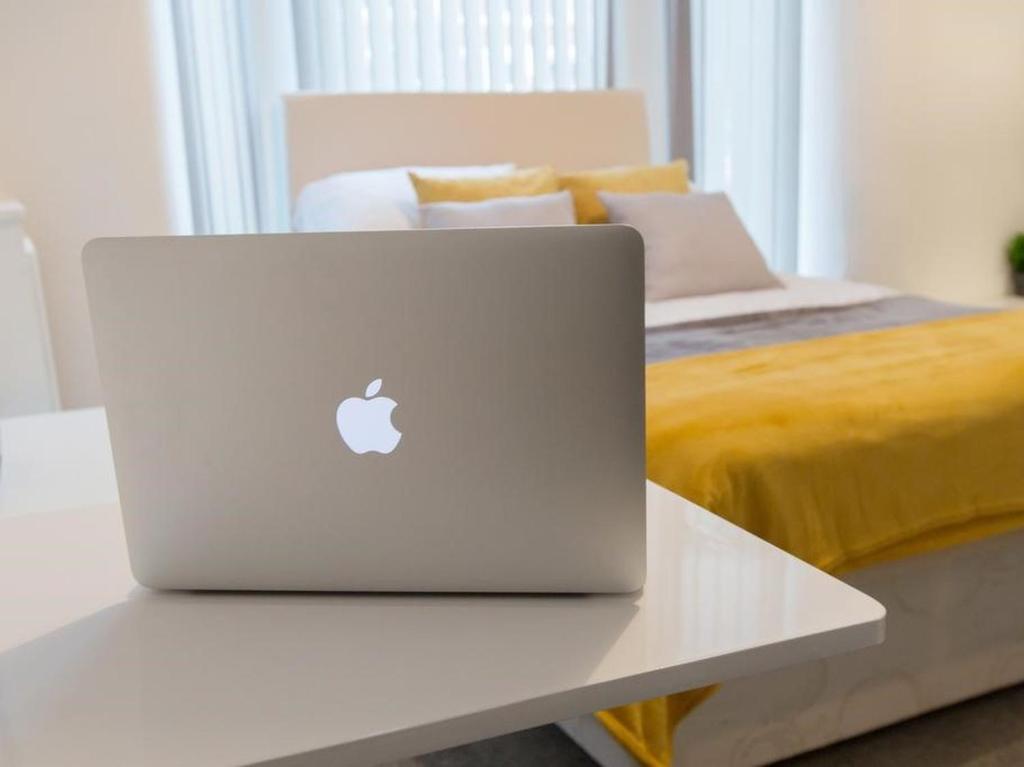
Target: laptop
{"x":448,"y":410}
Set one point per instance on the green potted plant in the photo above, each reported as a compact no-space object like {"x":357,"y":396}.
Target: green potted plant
{"x":1015,"y":252}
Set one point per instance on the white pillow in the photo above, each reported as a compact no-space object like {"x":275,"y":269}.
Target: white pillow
{"x":538,"y":210}
{"x":694,"y":244}
{"x":372,"y":199}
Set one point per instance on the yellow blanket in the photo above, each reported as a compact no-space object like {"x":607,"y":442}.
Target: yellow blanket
{"x":844,"y":451}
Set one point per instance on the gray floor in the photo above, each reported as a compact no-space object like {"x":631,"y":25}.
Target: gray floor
{"x":539,"y":746}
{"x":985,"y":732}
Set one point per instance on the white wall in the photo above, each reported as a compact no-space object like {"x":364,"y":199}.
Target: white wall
{"x":912,"y":159}
{"x":80,"y":147}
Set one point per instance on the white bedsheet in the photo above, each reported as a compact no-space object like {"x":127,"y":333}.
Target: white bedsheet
{"x":798,"y":293}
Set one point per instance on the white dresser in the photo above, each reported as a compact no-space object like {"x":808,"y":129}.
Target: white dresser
{"x":28,"y":383}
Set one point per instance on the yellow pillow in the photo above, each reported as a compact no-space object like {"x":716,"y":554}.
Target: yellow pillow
{"x":585,"y":185}
{"x":518,"y":183}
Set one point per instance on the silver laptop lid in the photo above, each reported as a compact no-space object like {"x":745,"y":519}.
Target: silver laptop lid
{"x":457,"y":410}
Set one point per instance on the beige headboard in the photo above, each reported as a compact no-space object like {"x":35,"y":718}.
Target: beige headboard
{"x":328,"y":133}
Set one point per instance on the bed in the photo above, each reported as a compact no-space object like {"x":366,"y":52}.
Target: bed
{"x":955,"y":626}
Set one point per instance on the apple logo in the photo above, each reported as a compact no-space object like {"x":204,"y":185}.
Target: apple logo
{"x":365,"y":424}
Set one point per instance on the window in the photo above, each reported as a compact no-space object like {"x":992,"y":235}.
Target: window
{"x":233,"y":59}
{"x":746,"y":58}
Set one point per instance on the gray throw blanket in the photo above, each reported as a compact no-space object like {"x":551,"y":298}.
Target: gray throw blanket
{"x":728,"y":333}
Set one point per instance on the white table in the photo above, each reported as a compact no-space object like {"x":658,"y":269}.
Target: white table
{"x":58,"y":461}
{"x":95,"y":670}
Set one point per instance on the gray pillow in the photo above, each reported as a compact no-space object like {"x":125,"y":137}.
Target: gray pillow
{"x":555,"y":209}
{"x":694,"y":243}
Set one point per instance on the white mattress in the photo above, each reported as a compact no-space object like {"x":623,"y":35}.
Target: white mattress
{"x":797,"y":293}
{"x":950,"y":635}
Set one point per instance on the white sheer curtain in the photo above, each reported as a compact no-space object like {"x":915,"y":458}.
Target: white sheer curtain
{"x":746,"y":86}
{"x":234,"y":59}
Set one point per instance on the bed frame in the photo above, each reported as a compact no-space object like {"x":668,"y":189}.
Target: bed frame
{"x":328,"y":133}
{"x":952,"y":627}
